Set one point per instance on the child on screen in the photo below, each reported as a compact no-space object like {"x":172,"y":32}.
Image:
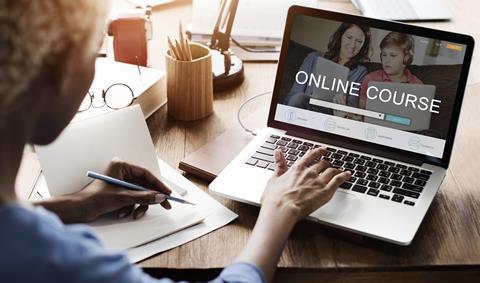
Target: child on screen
{"x":396,"y":54}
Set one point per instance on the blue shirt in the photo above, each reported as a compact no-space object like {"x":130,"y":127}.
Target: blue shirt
{"x":309,"y":65}
{"x":35,"y":246}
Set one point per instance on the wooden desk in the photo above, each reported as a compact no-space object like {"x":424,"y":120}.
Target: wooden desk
{"x":446,"y":248}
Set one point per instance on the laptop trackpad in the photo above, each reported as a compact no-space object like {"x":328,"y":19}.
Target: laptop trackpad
{"x":341,"y":205}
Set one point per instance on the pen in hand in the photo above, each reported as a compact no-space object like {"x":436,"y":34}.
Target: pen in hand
{"x":130,"y":186}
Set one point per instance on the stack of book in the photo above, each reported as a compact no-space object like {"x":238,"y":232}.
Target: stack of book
{"x":147,"y":84}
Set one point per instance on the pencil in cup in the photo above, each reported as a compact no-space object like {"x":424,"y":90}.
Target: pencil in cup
{"x":130,"y":186}
{"x":189,"y":83}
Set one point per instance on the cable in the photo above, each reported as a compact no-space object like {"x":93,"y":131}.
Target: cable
{"x":240,"y":110}
{"x":241,"y":46}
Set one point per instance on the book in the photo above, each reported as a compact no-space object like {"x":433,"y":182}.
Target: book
{"x":208,"y":161}
{"x":148,"y":86}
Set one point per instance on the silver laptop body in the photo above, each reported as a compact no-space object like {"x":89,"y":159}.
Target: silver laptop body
{"x":352,"y":208}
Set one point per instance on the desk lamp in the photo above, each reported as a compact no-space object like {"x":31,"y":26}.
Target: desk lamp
{"x":227,"y":68}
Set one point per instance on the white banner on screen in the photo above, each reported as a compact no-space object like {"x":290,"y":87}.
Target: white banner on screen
{"x":362,"y":131}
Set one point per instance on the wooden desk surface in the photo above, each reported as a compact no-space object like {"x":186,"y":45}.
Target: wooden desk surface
{"x":449,"y":237}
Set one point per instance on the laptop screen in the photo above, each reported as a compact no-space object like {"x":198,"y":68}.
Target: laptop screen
{"x":384,"y":87}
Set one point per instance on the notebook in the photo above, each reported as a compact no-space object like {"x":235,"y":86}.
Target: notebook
{"x":90,"y":145}
{"x":208,"y":161}
{"x":147,"y":84}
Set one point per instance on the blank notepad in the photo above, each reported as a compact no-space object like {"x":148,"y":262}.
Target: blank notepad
{"x":91,"y":144}
{"x":122,"y":234}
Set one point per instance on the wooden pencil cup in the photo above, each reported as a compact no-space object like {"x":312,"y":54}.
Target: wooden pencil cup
{"x":190,"y":85}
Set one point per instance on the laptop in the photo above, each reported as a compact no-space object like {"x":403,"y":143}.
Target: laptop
{"x":396,"y":173}
{"x":401,"y":117}
{"x":404,"y":10}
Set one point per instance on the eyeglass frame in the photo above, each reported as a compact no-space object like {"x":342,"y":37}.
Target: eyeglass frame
{"x":91,"y":95}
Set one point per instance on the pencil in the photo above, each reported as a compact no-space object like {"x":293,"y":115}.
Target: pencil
{"x":138,"y":66}
{"x":173,"y":51}
{"x":180,"y":33}
{"x":189,"y":51}
{"x":184,"y":41}
{"x":183,"y":54}
{"x":130,"y":186}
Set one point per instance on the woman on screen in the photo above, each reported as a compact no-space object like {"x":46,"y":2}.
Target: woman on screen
{"x":348,"y":46}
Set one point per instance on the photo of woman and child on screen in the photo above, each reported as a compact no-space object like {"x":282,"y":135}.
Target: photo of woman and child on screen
{"x":324,"y":54}
{"x":350,"y":46}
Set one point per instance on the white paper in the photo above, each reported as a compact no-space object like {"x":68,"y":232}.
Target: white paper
{"x":259,"y":19}
{"x":153,"y":3}
{"x":216,"y":216}
{"x":91,"y":144}
{"x":122,"y":234}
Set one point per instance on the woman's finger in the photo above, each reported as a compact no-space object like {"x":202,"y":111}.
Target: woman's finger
{"x":140,"y":211}
{"x":161,"y":199}
{"x":128,"y":197}
{"x":338,"y":179}
{"x":310,"y":157}
{"x":125,"y":211}
{"x":281,"y":165}
{"x":147,"y":179}
{"x":328,"y":174}
{"x":166,"y":204}
{"x":320,"y":166}
{"x":140,"y":176}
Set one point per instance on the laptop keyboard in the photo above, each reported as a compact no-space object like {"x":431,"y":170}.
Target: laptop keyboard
{"x":373,"y":176}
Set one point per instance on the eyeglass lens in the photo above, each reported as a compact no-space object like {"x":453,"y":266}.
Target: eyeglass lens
{"x":86,"y":102}
{"x":118,"y":96}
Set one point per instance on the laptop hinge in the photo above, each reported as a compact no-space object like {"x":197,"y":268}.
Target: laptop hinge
{"x":361,"y":148}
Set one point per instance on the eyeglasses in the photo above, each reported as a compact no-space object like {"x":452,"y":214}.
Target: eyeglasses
{"x":116,"y":96}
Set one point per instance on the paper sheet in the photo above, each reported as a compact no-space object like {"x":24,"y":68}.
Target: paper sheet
{"x":27,"y":175}
{"x":216,"y":216}
{"x":253,"y":19}
{"x":90,"y":145}
{"x":121,"y":234}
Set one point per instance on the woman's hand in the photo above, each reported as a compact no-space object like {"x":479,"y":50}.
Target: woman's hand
{"x":290,"y":195}
{"x":305,"y":187}
{"x":99,"y":198}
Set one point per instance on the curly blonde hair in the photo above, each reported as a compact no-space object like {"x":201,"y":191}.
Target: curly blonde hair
{"x":33,"y":32}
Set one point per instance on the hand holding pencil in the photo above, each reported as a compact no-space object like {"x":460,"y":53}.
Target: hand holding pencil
{"x":180,"y":49}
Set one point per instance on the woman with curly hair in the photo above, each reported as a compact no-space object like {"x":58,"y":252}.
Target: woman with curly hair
{"x":47,"y":63}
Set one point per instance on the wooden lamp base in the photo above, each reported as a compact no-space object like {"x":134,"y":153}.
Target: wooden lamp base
{"x":221,"y":79}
